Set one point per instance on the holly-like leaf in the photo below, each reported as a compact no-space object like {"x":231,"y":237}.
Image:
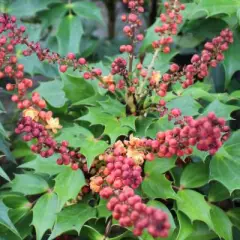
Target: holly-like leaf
{"x":195,"y":175}
{"x":194,"y":206}
{"x":44,"y":213}
{"x":69,"y":34}
{"x":52,"y":92}
{"x":235,"y":94}
{"x":76,"y":88}
{"x":4,"y":148}
{"x":87,"y":10}
{"x":232,"y":59}
{"x":78,"y":136}
{"x":68,"y":185}
{"x":234,"y":215}
{"x":43,"y":165}
{"x":5,"y":220}
{"x":221,"y":223}
{"x":4,"y":175}
{"x":72,"y":218}
{"x":113,"y":126}
{"x":142,"y":124}
{"x":91,"y":148}
{"x":198,"y":93}
{"x":160,"y":165}
{"x":102,"y":211}
{"x":217,"y":192}
{"x":225,"y":165}
{"x":220,"y":109}
{"x":162,"y":124}
{"x":187,"y":105}
{"x":185,"y":226}
{"x":156,"y":185}
{"x":29,"y":184}
{"x":113,"y":107}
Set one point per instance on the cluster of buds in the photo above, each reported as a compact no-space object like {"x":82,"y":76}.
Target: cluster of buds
{"x":206,"y":133}
{"x":129,"y":210}
{"x":198,"y":69}
{"x":119,"y":66}
{"x":134,"y":22}
{"x":171,"y":19}
{"x":46,"y":146}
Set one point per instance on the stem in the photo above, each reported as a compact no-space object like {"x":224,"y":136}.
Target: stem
{"x":150,"y":67}
{"x":108,"y":228}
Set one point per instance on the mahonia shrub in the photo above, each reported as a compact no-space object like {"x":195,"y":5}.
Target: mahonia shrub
{"x":153,"y":149}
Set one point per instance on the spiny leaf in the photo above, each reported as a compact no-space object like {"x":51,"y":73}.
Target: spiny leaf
{"x":29,"y":184}
{"x":68,"y":185}
{"x":72,"y":218}
{"x":44,"y":213}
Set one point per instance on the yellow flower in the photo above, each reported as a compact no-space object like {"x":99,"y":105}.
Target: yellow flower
{"x":108,"y":79}
{"x":32,"y":113}
{"x":138,"y":157}
{"x":53,"y":124}
{"x":156,"y":77}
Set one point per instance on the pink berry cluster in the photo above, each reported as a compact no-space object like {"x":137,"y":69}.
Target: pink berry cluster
{"x":46,"y":146}
{"x":119,"y":66}
{"x":211,"y":55}
{"x":206,"y":133}
{"x":134,"y":22}
{"x":171,"y":19}
{"x":129,"y":210}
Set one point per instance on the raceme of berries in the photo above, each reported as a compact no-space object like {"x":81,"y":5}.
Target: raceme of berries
{"x":120,"y":171}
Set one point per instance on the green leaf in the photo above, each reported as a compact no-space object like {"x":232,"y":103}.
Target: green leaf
{"x":76,"y":88}
{"x":162,"y":124}
{"x":159,"y":165}
{"x":30,"y":7}
{"x":5,"y":220}
{"x":90,"y":101}
{"x":129,"y":121}
{"x":113,"y":126}
{"x":91,"y":148}
{"x":232,"y":59}
{"x":43,"y":165}
{"x":4,"y":175}
{"x":221,"y":223}
{"x":142,"y":124}
{"x":29,"y":184}
{"x":72,"y":218}
{"x":225,"y":165}
{"x":198,"y":93}
{"x":52,"y":92}
{"x":69,"y":34}
{"x":102,"y":211}
{"x":235,"y":94}
{"x":195,"y":175}
{"x":220,"y":109}
{"x":217,"y":192}
{"x":4,"y":148}
{"x":211,"y":8}
{"x":113,"y":107}
{"x":156,"y":185}
{"x":185,"y":226}
{"x":87,"y":10}
{"x":194,"y":206}
{"x":44,"y":213}
{"x":68,"y":185}
{"x":234,"y":215}
{"x":187,"y":105}
{"x":201,"y":231}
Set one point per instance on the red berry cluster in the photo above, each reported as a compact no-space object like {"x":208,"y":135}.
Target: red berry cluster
{"x":129,"y":210}
{"x":119,"y":66}
{"x":207,"y":133}
{"x":46,"y":146}
{"x":210,"y":56}
{"x":171,"y":19}
{"x":134,"y":22}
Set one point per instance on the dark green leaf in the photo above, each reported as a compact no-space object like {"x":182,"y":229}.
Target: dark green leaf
{"x":195,"y":175}
{"x":44,"y":213}
{"x":29,"y":184}
{"x":52,"y":92}
{"x":185,"y":226}
{"x":217,"y":192}
{"x":68,"y":185}
{"x":4,"y":175}
{"x":69,"y":34}
{"x":234,"y":215}
{"x":72,"y":218}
